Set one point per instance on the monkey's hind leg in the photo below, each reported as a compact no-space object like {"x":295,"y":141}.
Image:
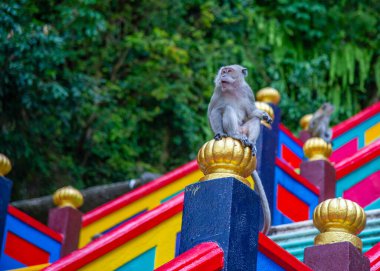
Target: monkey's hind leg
{"x":253,"y":132}
{"x":231,"y":123}
{"x":216,"y":122}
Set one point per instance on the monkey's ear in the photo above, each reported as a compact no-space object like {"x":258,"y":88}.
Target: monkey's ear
{"x":245,"y":72}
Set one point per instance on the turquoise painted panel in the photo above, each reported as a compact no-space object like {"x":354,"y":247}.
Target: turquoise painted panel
{"x":356,"y":176}
{"x":374,"y":205}
{"x":266,"y":264}
{"x":144,"y":262}
{"x":357,"y":131}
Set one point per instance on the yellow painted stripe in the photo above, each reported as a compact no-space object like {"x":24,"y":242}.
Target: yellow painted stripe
{"x":372,"y":134}
{"x":163,"y":237}
{"x":148,"y":202}
{"x":32,"y":268}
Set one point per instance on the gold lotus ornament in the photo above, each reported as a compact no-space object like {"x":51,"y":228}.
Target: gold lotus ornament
{"x":5,"y":165}
{"x":68,"y":196}
{"x":266,"y":108}
{"x":305,"y":121}
{"x":226,"y":158}
{"x":316,"y":148}
{"x":268,"y":95}
{"x":339,"y":220}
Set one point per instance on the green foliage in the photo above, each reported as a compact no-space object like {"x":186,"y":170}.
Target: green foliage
{"x":98,"y":91}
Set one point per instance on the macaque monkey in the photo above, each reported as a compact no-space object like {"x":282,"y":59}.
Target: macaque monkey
{"x":319,"y":125}
{"x":232,"y":113}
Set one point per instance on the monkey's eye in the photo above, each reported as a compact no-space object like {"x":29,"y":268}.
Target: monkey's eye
{"x":229,"y":70}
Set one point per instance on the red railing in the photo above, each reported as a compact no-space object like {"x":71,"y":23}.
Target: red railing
{"x":362,"y":157}
{"x":138,"y":193}
{"x":350,"y":123}
{"x":203,"y":257}
{"x":119,"y":236}
{"x":374,"y":257}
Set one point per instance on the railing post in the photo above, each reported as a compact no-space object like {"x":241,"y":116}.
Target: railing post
{"x":5,"y":196}
{"x":337,"y":247}
{"x":67,"y":219}
{"x":318,"y":170}
{"x":268,"y":99}
{"x":223,"y":208}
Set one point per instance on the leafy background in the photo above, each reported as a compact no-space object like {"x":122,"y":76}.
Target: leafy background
{"x":93,"y":92}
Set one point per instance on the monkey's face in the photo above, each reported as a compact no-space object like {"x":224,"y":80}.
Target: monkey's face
{"x":327,"y":109}
{"x":230,"y":77}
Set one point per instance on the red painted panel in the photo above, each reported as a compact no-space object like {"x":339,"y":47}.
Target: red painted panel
{"x":138,"y":193}
{"x":203,"y":257}
{"x":348,"y":149}
{"x":350,"y":123}
{"x":34,"y":223}
{"x":290,"y":157}
{"x":24,"y":251}
{"x":362,"y":157}
{"x":291,"y":206}
{"x":365,"y":192}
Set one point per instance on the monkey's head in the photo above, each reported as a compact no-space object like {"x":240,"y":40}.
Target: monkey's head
{"x":230,"y":77}
{"x":327,"y":109}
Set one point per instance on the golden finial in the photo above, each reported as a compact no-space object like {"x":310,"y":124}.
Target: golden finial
{"x":305,"y":120}
{"x":226,"y":158}
{"x":339,"y":220}
{"x":266,"y":108}
{"x":5,"y":165}
{"x":268,"y":95}
{"x":68,"y":196}
{"x":316,"y":148}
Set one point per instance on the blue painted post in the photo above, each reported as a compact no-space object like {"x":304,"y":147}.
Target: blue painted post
{"x":266,"y":156}
{"x":5,"y":196}
{"x":227,"y":212}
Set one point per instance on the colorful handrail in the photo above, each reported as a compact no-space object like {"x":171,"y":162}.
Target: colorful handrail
{"x":374,"y":257}
{"x":34,"y":223}
{"x":139,"y":193}
{"x":350,"y":123}
{"x":147,"y":221}
{"x":205,"y":256}
{"x":119,"y":236}
{"x":360,"y":158}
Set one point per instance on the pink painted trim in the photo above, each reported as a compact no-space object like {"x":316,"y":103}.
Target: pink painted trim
{"x":280,"y":255}
{"x":374,"y":257}
{"x":119,"y":236}
{"x":286,"y":131}
{"x":297,"y":177}
{"x":138,"y":193}
{"x":350,"y":123}
{"x":363,"y":156}
{"x":366,"y":191}
{"x":34,"y":223}
{"x":206,"y":256}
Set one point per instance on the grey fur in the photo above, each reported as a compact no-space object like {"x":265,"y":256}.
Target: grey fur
{"x":319,"y":125}
{"x":232,"y":112}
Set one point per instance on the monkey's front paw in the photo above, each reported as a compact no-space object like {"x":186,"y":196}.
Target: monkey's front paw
{"x":219,"y":136}
{"x":267,"y":118}
{"x":254,"y":150}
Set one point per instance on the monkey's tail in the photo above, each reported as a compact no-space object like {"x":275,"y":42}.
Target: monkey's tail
{"x":264,"y":202}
